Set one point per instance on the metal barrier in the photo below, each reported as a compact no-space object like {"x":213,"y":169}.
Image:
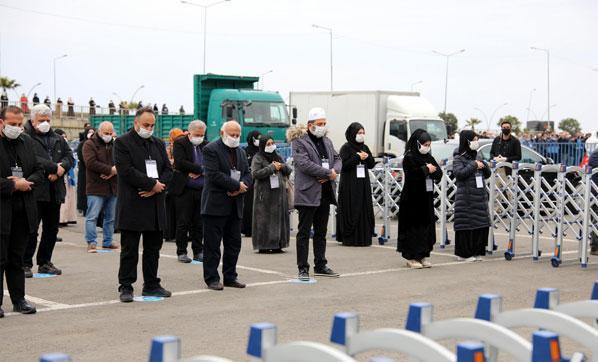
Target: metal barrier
{"x":548,"y":298}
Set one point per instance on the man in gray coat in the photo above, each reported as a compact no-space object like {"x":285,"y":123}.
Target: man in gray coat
{"x":316,"y":167}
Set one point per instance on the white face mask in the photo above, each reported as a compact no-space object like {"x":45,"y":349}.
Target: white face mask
{"x":144,"y":133}
{"x":44,"y":127}
{"x":424,"y":150}
{"x":107,"y":138}
{"x":360,"y":138}
{"x":474,"y":145}
{"x":12,"y":132}
{"x":270,"y":149}
{"x":196,"y":141}
{"x":319,"y":131}
{"x":256,"y":142}
{"x":232,"y":142}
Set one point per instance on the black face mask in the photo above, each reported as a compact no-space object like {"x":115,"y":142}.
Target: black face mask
{"x":506,"y":131}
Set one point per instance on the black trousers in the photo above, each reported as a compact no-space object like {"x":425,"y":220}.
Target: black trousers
{"x":48,"y":213}
{"x":129,"y":256}
{"x":12,"y":249}
{"x":215,"y":229}
{"x":318,"y":218}
{"x":189,"y":221}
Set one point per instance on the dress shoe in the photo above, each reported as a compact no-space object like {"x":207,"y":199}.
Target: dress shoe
{"x":198,"y":257}
{"x":156,"y":292}
{"x":215,"y":286}
{"x":24,"y":307}
{"x":126,"y":294}
{"x":234,"y":284}
{"x":28,"y":272}
{"x":111,"y":247}
{"x":49,"y":268}
{"x":183,"y":258}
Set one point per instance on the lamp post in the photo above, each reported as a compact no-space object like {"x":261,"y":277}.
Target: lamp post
{"x":205,"y":23}
{"x":329,"y":30}
{"x":262,"y":78}
{"x":548,"y":106}
{"x":529,"y":105}
{"x":484,"y":113}
{"x":32,"y":88}
{"x":135,"y":93}
{"x":416,"y":83}
{"x":447,"y":56}
{"x":494,"y":112}
{"x":54,"y":71}
{"x":119,"y":97}
{"x":547,"y":112}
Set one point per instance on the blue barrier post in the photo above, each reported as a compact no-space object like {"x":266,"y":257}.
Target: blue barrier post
{"x":546,"y":298}
{"x":546,"y":347}
{"x":344,"y":325}
{"x":470,"y":352}
{"x":595,"y":291}
{"x":489,"y":305}
{"x":419,"y":315}
{"x":261,"y":337}
{"x":55,"y":357}
{"x":165,"y":349}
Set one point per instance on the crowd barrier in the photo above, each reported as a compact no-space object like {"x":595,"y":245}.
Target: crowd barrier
{"x":485,"y":336}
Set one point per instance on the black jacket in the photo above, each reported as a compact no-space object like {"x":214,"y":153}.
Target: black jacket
{"x":136,"y":213}
{"x":471,"y":203}
{"x":32,"y":171}
{"x":182,"y":152}
{"x":49,"y":156}
{"x":214,"y":200}
{"x":511,"y":148}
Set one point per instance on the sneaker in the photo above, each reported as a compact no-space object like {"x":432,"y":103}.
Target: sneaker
{"x":111,"y":247}
{"x":156,"y":292}
{"x":28,"y":272}
{"x":92,"y":248}
{"x":414,"y":264}
{"x":425,"y":262}
{"x":126,"y":294}
{"x":303,"y":274}
{"x":325,"y":271}
{"x":183,"y":258}
{"x":49,"y":268}
{"x":479,"y":258}
{"x":198,"y":257}
{"x":466,"y":260}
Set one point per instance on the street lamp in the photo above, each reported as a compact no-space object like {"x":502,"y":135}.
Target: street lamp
{"x":547,"y":111}
{"x":548,"y":106}
{"x":416,"y":83}
{"x":529,"y":106}
{"x":494,"y":112}
{"x":329,"y":30}
{"x":447,"y":68}
{"x":262,"y":78}
{"x":205,"y":23}
{"x":54,"y":71}
{"x":32,"y":88}
{"x":485,"y":116}
{"x":135,"y":93}
{"x":119,"y":97}
{"x":534,"y":113}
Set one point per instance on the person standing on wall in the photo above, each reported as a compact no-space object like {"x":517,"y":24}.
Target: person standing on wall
{"x":355,"y":220}
{"x":417,"y":222}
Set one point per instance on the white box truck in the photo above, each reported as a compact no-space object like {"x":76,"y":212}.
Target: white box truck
{"x":389,"y":118}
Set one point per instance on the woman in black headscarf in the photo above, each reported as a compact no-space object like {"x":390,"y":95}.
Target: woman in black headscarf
{"x":471,"y":200}
{"x":271,"y":227}
{"x":355,"y":212}
{"x":253,"y":142}
{"x":417,"y":229}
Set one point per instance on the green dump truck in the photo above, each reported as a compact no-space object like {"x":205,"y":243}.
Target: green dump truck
{"x":218,"y":98}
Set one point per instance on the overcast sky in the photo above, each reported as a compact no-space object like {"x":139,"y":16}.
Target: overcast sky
{"x":115,"y":46}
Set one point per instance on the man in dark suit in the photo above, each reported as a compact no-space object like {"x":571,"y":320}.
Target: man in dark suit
{"x":19,"y":174}
{"x":143,"y":170}
{"x":187,"y":186}
{"x":56,"y":158}
{"x":227,"y":178}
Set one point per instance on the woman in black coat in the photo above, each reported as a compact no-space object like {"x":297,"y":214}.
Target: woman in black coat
{"x":417,"y":222}
{"x":87,"y":133}
{"x":253,"y":143}
{"x":471,"y":200}
{"x":355,"y":220}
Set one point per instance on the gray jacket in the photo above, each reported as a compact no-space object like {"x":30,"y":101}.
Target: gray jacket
{"x":308,"y":169}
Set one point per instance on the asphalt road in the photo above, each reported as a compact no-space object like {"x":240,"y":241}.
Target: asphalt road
{"x":79,"y":312}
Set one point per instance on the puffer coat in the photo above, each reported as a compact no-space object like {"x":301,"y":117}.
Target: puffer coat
{"x":471,"y":202}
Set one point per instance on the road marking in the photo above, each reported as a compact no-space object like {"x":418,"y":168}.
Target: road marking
{"x":45,"y":302}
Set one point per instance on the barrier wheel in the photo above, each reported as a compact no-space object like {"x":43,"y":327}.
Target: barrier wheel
{"x":555,"y":261}
{"x":509,"y":255}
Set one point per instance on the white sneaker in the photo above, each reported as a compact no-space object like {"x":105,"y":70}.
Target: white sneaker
{"x":479,"y":258}
{"x":426,"y":263}
{"x":414,"y":264}
{"x":466,"y":260}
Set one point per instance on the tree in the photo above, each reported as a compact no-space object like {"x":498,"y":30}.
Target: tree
{"x":570,"y":125}
{"x":6,"y":83}
{"x":450,"y":120}
{"x":515,"y":123}
{"x":472,"y":122}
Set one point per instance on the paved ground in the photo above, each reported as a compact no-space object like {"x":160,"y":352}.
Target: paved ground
{"x":79,"y":312}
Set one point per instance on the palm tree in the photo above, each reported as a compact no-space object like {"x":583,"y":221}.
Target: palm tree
{"x":6,"y":83}
{"x":472,"y":122}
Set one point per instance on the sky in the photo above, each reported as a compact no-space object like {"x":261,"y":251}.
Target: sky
{"x":116,"y":46}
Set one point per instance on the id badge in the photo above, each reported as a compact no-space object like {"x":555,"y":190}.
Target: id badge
{"x":479,"y":182}
{"x":151,"y":168}
{"x":235,"y":175}
{"x":17,"y":171}
{"x":325,"y":163}
{"x":274,"y":182}
{"x":360,"y":171}
{"x":429,"y":185}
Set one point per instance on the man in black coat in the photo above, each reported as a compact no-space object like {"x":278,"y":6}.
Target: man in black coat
{"x":143,"y":170}
{"x":19,"y":174}
{"x":227,"y":178}
{"x":187,"y":186}
{"x":56,"y":158}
